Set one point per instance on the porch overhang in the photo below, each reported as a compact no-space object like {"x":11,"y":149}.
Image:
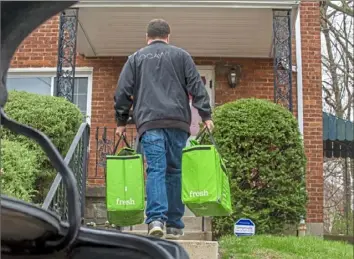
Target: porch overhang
{"x":269,"y":4}
{"x":204,"y":28}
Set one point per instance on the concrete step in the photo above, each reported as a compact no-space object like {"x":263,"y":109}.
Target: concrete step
{"x":191,"y":223}
{"x":188,"y":235}
{"x":187,"y":212}
{"x":198,"y":244}
{"x":200,"y":249}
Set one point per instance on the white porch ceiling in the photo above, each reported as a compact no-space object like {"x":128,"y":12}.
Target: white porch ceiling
{"x":275,"y":4}
{"x":212,"y":32}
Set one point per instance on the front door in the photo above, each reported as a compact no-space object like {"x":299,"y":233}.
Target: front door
{"x":207,"y":75}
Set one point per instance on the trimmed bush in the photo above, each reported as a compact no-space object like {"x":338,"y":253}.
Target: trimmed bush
{"x":57,"y":118}
{"x":18,"y":170}
{"x":264,"y":153}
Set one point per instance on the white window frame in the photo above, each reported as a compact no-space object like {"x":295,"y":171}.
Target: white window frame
{"x":52,"y":72}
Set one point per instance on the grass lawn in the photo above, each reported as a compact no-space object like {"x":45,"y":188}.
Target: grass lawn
{"x":273,"y":247}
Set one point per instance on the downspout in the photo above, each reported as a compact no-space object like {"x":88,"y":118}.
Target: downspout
{"x":300,"y":107}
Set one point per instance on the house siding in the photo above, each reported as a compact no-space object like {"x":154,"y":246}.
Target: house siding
{"x":41,"y":47}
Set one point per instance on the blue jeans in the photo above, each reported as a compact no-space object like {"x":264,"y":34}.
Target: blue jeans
{"x":163,"y":153}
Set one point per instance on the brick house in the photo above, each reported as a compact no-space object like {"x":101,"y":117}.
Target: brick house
{"x":251,"y":35}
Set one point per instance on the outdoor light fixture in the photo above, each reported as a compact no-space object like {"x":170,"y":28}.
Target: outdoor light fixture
{"x":233,"y":76}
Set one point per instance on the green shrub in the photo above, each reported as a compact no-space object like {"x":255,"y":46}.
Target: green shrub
{"x":343,"y":224}
{"x":18,"y":170}
{"x":55,"y":117}
{"x":265,"y":156}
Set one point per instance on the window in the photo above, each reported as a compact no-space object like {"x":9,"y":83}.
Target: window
{"x":36,"y":85}
{"x":80,"y":93}
{"x":43,"y":81}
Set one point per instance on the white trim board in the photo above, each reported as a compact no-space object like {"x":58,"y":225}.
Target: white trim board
{"x":51,"y":72}
{"x":283,"y":4}
{"x":206,"y":67}
{"x":48,"y":70}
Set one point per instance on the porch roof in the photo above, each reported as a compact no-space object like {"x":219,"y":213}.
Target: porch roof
{"x":270,"y":4}
{"x":204,"y":28}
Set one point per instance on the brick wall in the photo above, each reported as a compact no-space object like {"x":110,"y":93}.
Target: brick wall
{"x":312,"y":96}
{"x":256,"y":81}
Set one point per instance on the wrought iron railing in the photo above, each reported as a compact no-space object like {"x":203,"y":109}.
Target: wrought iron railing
{"x":106,"y":139}
{"x":77,"y":159}
{"x":282,"y":58}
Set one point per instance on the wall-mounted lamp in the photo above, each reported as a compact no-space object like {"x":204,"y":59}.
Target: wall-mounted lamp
{"x":234,"y":76}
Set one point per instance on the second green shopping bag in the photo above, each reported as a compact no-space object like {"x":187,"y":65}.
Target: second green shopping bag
{"x":205,"y":183}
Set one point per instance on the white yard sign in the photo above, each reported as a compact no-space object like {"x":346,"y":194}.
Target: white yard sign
{"x":244,"y":227}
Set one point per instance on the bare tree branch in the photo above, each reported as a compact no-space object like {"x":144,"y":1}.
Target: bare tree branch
{"x":329,"y":26}
{"x":338,"y":97}
{"x":345,"y":8}
{"x":337,"y":58}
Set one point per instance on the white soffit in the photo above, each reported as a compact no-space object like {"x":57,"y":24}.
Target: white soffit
{"x":273,"y":4}
{"x":225,"y":29}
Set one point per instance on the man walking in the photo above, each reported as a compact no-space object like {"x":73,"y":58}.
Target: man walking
{"x":157,"y":81}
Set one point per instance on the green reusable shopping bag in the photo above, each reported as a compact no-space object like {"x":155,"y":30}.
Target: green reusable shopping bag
{"x":125,"y":192}
{"x":205,"y":183}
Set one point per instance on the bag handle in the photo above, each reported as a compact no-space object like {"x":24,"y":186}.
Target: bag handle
{"x":202,"y":134}
{"x":119,"y":140}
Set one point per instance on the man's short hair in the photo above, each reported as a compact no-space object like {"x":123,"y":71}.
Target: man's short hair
{"x":158,"y":29}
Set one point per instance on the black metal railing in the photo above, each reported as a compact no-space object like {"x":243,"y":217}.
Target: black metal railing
{"x":77,"y":159}
{"x":106,"y":139}
{"x":282,"y":36}
{"x":65,"y":79}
